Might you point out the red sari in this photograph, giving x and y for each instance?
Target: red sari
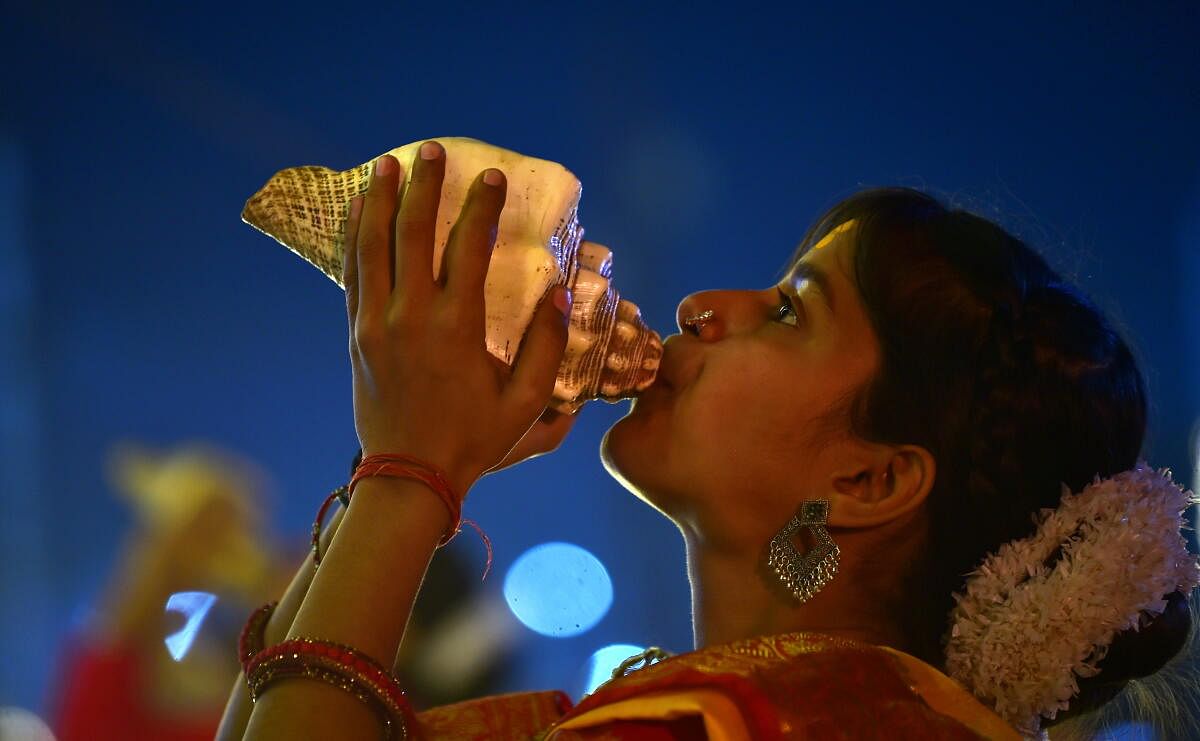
(791, 686)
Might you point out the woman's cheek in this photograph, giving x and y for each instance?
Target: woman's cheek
(717, 410)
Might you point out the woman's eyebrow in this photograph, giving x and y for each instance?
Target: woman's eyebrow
(818, 277)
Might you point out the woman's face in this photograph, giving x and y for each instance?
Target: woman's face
(731, 436)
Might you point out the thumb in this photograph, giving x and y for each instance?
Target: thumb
(541, 353)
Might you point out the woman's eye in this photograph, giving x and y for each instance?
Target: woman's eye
(785, 310)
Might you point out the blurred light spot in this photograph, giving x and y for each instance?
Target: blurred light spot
(194, 606)
(600, 666)
(558, 589)
(19, 724)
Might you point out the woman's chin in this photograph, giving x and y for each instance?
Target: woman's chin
(613, 448)
(627, 451)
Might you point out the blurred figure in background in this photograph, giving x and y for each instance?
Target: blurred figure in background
(153, 661)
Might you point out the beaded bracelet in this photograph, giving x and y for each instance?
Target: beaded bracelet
(339, 665)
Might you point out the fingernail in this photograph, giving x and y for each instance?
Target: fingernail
(493, 177)
(562, 300)
(385, 166)
(430, 150)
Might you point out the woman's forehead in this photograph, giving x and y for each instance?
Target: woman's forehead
(821, 254)
(833, 235)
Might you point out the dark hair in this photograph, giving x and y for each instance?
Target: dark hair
(1011, 379)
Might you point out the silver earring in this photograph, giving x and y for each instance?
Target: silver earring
(805, 575)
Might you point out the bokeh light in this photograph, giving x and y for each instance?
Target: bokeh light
(600, 665)
(20, 724)
(558, 589)
(194, 607)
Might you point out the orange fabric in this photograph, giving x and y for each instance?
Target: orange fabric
(686, 728)
(948, 697)
(792, 686)
(521, 716)
(691, 715)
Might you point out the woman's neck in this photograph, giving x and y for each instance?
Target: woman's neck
(734, 597)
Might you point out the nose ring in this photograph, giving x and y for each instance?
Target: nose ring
(696, 322)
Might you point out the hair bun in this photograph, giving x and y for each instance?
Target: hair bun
(1134, 654)
(1139, 653)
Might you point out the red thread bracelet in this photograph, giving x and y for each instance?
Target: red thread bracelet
(403, 466)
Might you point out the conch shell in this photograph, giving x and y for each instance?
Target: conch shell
(611, 354)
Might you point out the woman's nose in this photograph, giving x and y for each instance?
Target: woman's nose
(710, 315)
(705, 314)
(695, 311)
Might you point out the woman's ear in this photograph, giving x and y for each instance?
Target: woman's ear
(885, 484)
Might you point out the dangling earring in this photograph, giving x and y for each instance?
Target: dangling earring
(805, 575)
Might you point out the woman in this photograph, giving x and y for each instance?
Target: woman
(838, 452)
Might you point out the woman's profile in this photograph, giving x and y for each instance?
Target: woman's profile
(907, 475)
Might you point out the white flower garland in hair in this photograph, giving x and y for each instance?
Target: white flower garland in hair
(1024, 633)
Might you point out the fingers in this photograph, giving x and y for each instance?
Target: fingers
(469, 249)
(416, 222)
(374, 245)
(350, 258)
(554, 429)
(540, 354)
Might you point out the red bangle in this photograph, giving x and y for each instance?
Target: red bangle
(251, 640)
(337, 664)
(342, 494)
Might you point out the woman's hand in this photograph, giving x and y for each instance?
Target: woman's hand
(424, 382)
(543, 437)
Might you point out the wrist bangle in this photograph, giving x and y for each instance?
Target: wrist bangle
(342, 494)
(339, 665)
(252, 637)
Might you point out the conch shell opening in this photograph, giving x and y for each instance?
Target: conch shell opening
(611, 354)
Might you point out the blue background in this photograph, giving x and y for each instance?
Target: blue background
(137, 305)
